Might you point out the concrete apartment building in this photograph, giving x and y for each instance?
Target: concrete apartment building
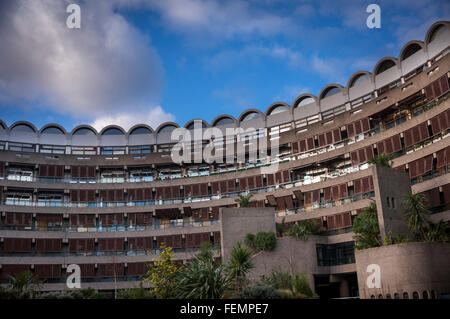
(108, 200)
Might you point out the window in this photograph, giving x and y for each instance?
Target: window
(50, 200)
(142, 175)
(52, 130)
(335, 254)
(359, 79)
(52, 149)
(415, 295)
(384, 66)
(410, 50)
(113, 176)
(21, 147)
(83, 150)
(21, 199)
(165, 148)
(224, 121)
(24, 174)
(330, 91)
(437, 32)
(251, 116)
(113, 131)
(140, 130)
(305, 101)
(23, 128)
(393, 202)
(278, 109)
(84, 131)
(112, 150)
(405, 295)
(167, 129)
(141, 149)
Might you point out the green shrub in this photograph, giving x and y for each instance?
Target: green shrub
(265, 241)
(250, 240)
(260, 291)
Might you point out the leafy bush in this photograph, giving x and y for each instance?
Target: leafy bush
(260, 291)
(135, 293)
(290, 286)
(265, 241)
(250, 240)
(366, 228)
(304, 229)
(261, 241)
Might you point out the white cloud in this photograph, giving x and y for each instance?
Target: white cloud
(218, 18)
(251, 54)
(153, 117)
(106, 67)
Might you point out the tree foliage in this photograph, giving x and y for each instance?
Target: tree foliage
(239, 265)
(244, 200)
(162, 274)
(290, 285)
(202, 277)
(366, 228)
(381, 160)
(23, 286)
(304, 229)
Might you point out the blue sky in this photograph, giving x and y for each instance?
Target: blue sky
(136, 61)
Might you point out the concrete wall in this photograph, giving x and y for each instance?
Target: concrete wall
(406, 268)
(238, 222)
(390, 186)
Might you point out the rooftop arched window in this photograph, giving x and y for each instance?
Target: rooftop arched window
(140, 130)
(112, 131)
(23, 128)
(278, 109)
(52, 130)
(251, 116)
(167, 129)
(359, 79)
(192, 126)
(331, 91)
(305, 101)
(384, 66)
(84, 131)
(410, 50)
(437, 32)
(224, 121)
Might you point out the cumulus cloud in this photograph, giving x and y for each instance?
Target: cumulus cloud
(106, 67)
(153, 117)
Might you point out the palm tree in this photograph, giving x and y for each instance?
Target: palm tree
(23, 286)
(438, 232)
(202, 278)
(366, 228)
(381, 160)
(303, 229)
(417, 214)
(243, 200)
(239, 264)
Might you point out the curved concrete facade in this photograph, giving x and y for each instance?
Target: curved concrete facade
(124, 186)
(406, 270)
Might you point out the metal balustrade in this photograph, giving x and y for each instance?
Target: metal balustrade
(114, 228)
(282, 158)
(103, 253)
